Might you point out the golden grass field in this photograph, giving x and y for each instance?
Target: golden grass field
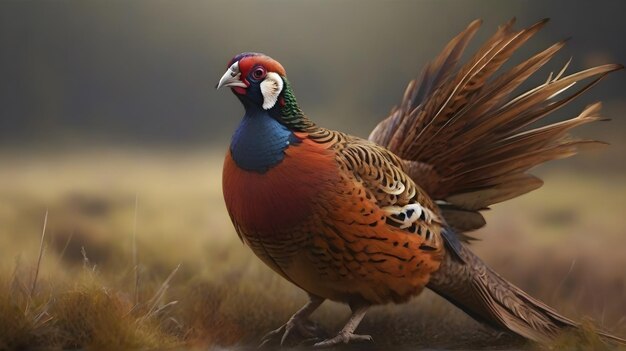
(564, 244)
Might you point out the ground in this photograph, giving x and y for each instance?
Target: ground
(197, 286)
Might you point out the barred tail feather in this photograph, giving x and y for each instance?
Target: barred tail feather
(483, 294)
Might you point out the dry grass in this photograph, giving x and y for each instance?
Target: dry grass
(222, 295)
(76, 312)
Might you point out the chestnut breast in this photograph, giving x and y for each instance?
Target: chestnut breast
(284, 195)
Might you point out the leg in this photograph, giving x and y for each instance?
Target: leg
(346, 334)
(298, 322)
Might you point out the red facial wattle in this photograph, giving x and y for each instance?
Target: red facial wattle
(240, 90)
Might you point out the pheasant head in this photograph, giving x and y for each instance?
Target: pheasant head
(255, 78)
(260, 83)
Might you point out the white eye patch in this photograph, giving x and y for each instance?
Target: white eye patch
(271, 88)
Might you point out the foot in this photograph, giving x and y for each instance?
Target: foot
(343, 338)
(301, 328)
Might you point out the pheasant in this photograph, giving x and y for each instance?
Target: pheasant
(370, 222)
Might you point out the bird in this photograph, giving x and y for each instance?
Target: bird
(368, 222)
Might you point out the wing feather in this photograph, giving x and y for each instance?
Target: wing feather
(381, 174)
(466, 140)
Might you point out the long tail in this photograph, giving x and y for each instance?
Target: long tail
(468, 136)
(487, 297)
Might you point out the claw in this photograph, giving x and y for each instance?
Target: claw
(288, 328)
(299, 322)
(311, 341)
(302, 328)
(343, 338)
(271, 335)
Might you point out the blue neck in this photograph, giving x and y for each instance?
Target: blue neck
(260, 141)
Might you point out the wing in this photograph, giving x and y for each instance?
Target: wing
(464, 137)
(375, 233)
(375, 177)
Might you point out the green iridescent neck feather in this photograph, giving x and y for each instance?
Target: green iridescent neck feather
(291, 114)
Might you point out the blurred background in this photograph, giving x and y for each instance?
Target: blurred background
(143, 72)
(110, 121)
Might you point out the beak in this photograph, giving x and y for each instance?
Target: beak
(231, 78)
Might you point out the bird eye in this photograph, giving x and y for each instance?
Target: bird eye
(259, 73)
